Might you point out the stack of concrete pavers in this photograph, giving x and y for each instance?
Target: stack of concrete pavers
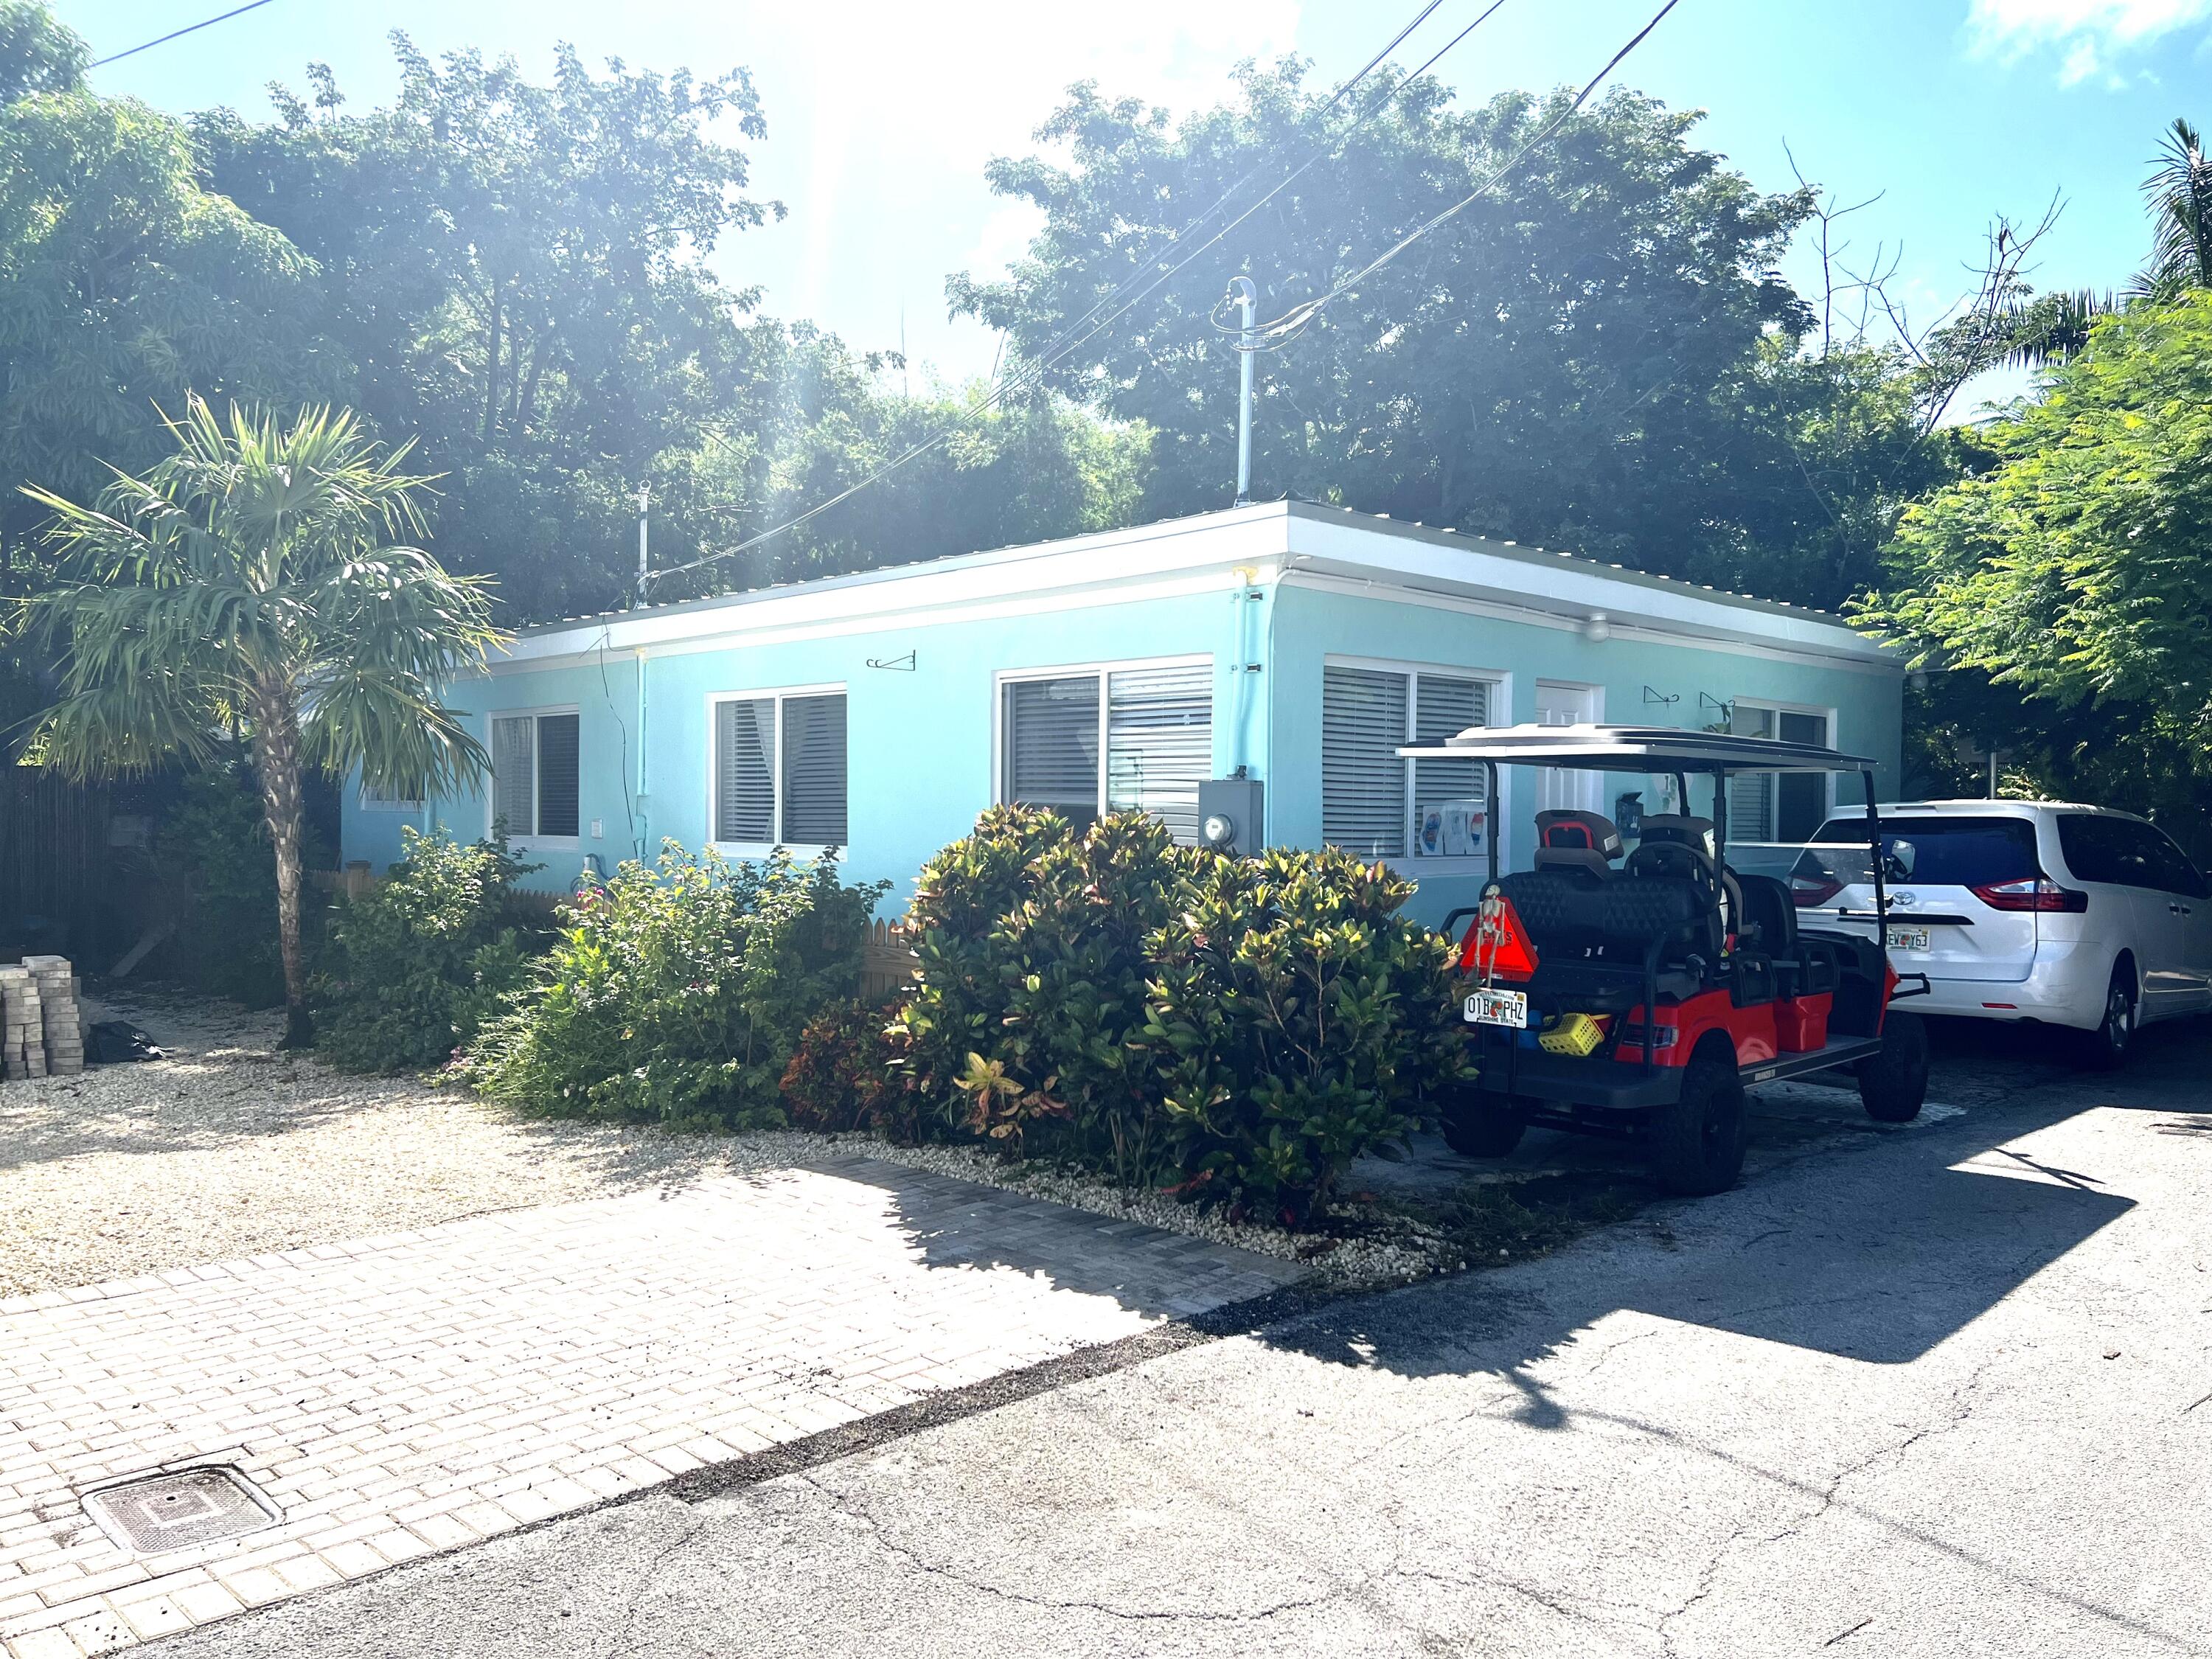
(22, 1024)
(62, 1034)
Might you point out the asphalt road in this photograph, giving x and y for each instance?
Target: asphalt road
(1931, 1393)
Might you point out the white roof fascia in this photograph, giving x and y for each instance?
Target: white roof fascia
(1635, 604)
(1329, 547)
(1082, 569)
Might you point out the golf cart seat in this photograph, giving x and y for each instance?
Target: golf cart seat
(1802, 967)
(1591, 931)
(1567, 839)
(1675, 844)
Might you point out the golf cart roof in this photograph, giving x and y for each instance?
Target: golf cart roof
(1646, 749)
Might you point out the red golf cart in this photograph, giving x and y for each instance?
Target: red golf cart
(1639, 997)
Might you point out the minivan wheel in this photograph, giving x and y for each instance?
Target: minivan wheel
(1697, 1139)
(2107, 1047)
(1894, 1084)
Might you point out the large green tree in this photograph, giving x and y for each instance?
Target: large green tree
(1586, 357)
(2070, 577)
(259, 578)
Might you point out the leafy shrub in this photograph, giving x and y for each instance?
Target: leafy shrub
(217, 871)
(1294, 1015)
(678, 992)
(415, 965)
(1238, 1028)
(840, 1077)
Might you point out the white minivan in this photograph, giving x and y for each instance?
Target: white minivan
(2077, 916)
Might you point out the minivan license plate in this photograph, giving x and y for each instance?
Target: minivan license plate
(1908, 939)
(1498, 1008)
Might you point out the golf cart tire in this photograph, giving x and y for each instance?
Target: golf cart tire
(1477, 1125)
(1894, 1084)
(1698, 1138)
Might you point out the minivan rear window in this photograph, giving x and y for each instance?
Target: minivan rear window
(1951, 852)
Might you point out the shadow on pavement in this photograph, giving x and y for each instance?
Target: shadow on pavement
(1876, 1257)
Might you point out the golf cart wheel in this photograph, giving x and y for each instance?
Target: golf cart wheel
(1893, 1083)
(1697, 1139)
(1480, 1125)
(2107, 1046)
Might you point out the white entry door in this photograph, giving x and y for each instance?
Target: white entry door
(1561, 704)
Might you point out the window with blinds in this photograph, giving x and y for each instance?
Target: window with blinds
(1052, 745)
(1378, 804)
(1159, 743)
(375, 798)
(780, 770)
(535, 775)
(1129, 739)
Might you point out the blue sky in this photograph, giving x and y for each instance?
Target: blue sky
(881, 115)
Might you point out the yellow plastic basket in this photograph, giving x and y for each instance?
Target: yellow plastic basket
(1574, 1033)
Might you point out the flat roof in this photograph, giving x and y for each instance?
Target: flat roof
(1296, 542)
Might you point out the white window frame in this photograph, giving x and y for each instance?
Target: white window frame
(1499, 700)
(776, 694)
(1099, 670)
(536, 843)
(1778, 709)
(370, 802)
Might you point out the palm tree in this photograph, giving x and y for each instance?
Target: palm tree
(2179, 192)
(258, 580)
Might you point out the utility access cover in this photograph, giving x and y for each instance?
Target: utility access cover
(179, 1511)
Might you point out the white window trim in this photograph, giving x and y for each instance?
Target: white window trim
(1006, 676)
(1500, 700)
(368, 805)
(538, 843)
(1779, 708)
(776, 694)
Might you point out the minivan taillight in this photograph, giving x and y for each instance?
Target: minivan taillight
(2032, 893)
(1807, 891)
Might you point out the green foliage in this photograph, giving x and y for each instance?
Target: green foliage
(1572, 361)
(252, 579)
(2073, 568)
(216, 873)
(840, 1077)
(1294, 1016)
(678, 992)
(415, 965)
(1239, 1028)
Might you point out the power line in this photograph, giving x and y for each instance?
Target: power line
(1068, 340)
(1296, 319)
(177, 34)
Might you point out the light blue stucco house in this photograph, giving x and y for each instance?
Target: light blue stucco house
(1294, 644)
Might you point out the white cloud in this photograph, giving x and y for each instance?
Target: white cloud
(2088, 35)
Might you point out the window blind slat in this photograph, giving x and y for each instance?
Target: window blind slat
(1051, 745)
(1363, 787)
(1444, 706)
(814, 770)
(558, 778)
(1159, 743)
(744, 752)
(514, 774)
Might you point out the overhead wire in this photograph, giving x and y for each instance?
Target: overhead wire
(1294, 321)
(1068, 340)
(178, 35)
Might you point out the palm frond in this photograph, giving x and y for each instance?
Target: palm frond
(2178, 193)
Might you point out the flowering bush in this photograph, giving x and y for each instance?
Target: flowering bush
(680, 991)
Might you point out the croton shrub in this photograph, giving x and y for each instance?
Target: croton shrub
(1240, 1029)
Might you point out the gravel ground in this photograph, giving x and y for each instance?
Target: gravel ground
(227, 1148)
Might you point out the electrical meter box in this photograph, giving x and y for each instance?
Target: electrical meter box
(1230, 815)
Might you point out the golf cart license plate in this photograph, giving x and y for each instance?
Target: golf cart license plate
(1908, 939)
(1498, 1008)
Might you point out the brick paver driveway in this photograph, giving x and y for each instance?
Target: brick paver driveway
(403, 1395)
